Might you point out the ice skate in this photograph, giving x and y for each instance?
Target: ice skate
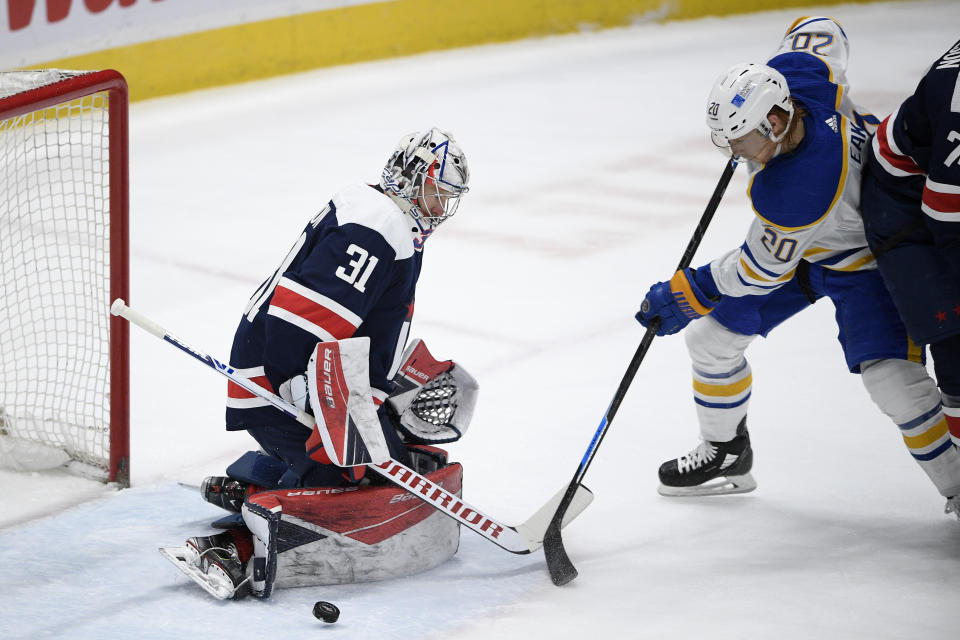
(212, 562)
(713, 468)
(225, 492)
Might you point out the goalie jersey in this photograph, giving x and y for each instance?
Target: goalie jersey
(806, 201)
(352, 272)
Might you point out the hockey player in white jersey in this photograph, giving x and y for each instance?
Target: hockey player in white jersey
(327, 330)
(792, 122)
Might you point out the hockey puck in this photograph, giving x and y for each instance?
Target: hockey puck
(326, 611)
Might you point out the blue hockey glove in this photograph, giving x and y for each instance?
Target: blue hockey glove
(687, 296)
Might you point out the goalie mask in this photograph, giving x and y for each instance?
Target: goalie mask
(740, 101)
(433, 400)
(427, 174)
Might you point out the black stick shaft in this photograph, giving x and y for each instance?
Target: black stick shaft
(561, 569)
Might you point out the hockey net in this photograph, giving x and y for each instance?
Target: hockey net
(64, 383)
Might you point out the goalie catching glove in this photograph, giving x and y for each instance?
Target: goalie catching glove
(433, 400)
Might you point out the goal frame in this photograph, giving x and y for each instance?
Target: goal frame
(64, 91)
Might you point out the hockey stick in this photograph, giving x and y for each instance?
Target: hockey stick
(561, 569)
(521, 539)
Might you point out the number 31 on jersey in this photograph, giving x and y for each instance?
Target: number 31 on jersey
(358, 270)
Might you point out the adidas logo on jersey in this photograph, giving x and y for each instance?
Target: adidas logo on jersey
(832, 123)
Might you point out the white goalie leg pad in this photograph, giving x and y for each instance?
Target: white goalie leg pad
(342, 535)
(722, 378)
(906, 393)
(434, 399)
(339, 386)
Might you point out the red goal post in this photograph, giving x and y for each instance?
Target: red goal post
(64, 253)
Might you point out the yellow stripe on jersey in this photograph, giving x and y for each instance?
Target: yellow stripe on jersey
(842, 184)
(856, 265)
(723, 390)
(764, 278)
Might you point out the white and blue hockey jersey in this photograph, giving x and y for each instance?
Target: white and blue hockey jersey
(806, 201)
(352, 272)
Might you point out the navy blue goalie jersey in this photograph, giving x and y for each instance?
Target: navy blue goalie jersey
(352, 272)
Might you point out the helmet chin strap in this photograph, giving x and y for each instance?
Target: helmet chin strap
(778, 139)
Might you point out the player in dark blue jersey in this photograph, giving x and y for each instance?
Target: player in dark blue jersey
(326, 332)
(351, 273)
(911, 212)
(792, 123)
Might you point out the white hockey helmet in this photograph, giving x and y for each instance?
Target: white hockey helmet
(427, 171)
(740, 100)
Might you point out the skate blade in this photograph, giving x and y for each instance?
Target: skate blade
(178, 557)
(716, 487)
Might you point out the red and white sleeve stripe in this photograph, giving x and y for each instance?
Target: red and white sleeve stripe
(313, 312)
(941, 201)
(888, 154)
(240, 398)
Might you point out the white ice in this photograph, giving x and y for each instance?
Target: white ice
(590, 167)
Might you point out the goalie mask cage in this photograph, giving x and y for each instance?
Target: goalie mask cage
(64, 372)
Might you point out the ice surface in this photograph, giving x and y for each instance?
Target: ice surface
(590, 167)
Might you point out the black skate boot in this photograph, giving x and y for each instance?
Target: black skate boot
(218, 560)
(225, 492)
(713, 468)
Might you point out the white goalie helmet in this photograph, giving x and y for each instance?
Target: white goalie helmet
(428, 173)
(740, 100)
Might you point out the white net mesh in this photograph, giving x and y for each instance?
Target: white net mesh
(54, 274)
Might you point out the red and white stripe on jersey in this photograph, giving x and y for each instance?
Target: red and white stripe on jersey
(313, 312)
(240, 398)
(888, 154)
(941, 201)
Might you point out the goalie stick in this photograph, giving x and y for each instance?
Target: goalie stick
(523, 538)
(561, 568)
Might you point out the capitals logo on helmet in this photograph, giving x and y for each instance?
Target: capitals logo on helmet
(740, 100)
(426, 175)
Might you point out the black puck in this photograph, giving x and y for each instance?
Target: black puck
(326, 611)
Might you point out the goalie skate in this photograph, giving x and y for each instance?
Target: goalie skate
(713, 468)
(216, 569)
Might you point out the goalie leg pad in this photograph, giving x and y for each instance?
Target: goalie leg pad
(340, 535)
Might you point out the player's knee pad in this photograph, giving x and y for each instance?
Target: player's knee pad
(713, 348)
(900, 388)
